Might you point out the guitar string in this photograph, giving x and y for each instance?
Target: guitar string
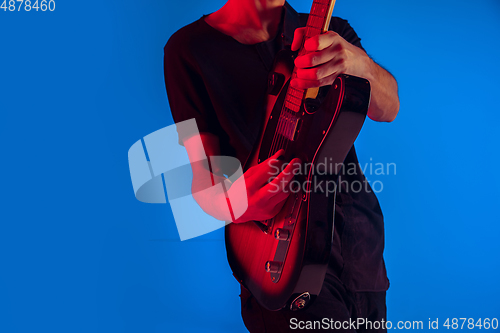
(279, 140)
(300, 91)
(276, 133)
(285, 141)
(275, 142)
(283, 134)
(272, 150)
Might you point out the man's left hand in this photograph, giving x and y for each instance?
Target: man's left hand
(328, 56)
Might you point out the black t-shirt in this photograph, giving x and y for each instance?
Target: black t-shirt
(222, 83)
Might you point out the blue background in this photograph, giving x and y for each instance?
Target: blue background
(80, 85)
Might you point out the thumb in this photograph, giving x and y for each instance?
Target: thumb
(298, 37)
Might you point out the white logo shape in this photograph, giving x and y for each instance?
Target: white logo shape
(159, 163)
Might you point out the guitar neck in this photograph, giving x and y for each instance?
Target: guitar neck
(319, 18)
(318, 23)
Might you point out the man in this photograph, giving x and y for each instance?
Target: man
(216, 71)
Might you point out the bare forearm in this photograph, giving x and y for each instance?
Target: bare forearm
(384, 103)
(212, 199)
(206, 187)
(330, 55)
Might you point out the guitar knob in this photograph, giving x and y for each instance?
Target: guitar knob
(281, 234)
(273, 267)
(300, 302)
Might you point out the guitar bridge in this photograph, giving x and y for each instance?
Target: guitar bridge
(284, 234)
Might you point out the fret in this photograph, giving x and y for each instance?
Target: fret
(294, 102)
(318, 21)
(296, 92)
(316, 15)
(292, 107)
(318, 9)
(320, 15)
(294, 99)
(315, 22)
(312, 31)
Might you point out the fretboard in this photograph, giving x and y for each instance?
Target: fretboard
(318, 22)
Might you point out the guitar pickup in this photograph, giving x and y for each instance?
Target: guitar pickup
(289, 127)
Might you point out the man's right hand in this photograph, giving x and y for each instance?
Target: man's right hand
(265, 197)
(267, 190)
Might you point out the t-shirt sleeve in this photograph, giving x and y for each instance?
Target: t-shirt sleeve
(186, 91)
(344, 29)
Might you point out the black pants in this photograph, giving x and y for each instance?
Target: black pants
(334, 310)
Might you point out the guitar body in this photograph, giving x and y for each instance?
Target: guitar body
(283, 261)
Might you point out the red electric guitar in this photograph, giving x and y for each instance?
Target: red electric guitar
(283, 261)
